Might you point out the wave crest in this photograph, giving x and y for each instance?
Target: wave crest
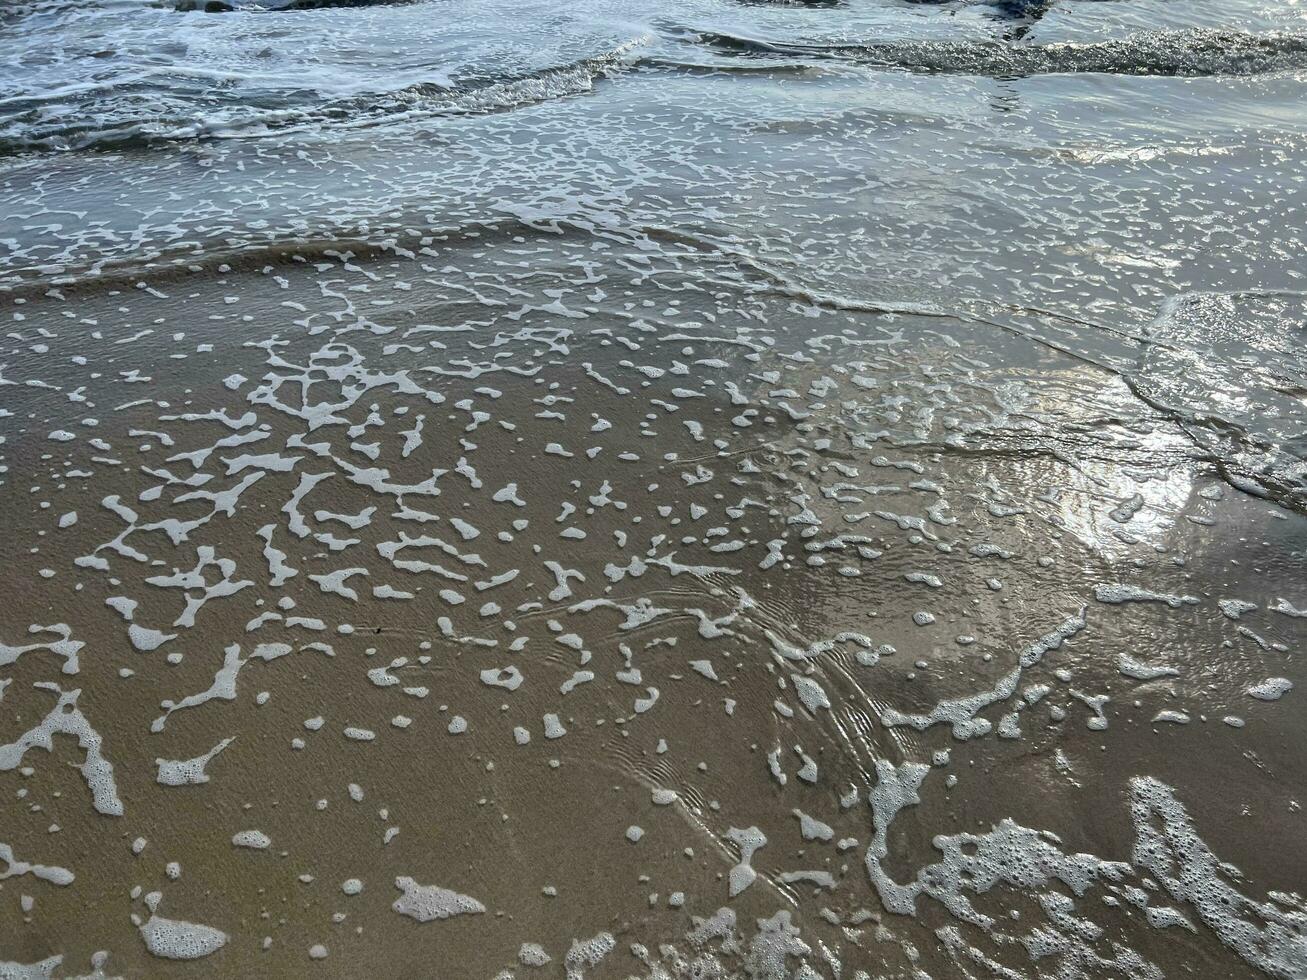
(1189, 53)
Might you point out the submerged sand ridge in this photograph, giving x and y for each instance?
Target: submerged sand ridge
(605, 617)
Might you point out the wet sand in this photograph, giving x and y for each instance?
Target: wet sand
(609, 591)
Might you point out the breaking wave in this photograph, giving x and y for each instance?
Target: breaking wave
(136, 120)
(1190, 53)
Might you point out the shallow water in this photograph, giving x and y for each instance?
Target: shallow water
(695, 489)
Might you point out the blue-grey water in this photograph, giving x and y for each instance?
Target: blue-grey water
(689, 488)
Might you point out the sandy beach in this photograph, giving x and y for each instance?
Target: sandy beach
(709, 559)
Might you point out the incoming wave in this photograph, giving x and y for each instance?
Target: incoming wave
(1196, 52)
(144, 118)
(274, 6)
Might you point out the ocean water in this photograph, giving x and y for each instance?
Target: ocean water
(690, 488)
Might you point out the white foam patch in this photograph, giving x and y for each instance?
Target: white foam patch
(255, 840)
(749, 840)
(67, 719)
(64, 647)
(1270, 936)
(961, 713)
(15, 868)
(40, 970)
(1118, 594)
(175, 939)
(1271, 689)
(188, 772)
(429, 902)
